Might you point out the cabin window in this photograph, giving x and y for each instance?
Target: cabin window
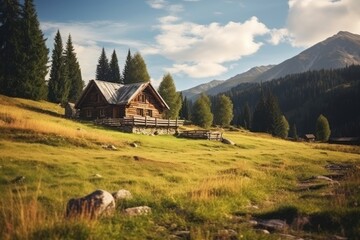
(149, 113)
(140, 112)
(141, 98)
(88, 113)
(102, 112)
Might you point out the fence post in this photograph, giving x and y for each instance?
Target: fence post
(145, 121)
(155, 122)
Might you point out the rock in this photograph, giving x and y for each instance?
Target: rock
(182, 234)
(122, 194)
(111, 147)
(133, 145)
(97, 203)
(263, 231)
(18, 179)
(272, 224)
(136, 211)
(228, 141)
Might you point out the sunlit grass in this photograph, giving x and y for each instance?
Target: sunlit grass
(192, 185)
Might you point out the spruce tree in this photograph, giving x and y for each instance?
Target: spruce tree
(168, 92)
(293, 132)
(58, 82)
(11, 47)
(283, 128)
(73, 72)
(185, 112)
(246, 117)
(201, 112)
(127, 68)
(103, 69)
(322, 129)
(32, 84)
(273, 116)
(137, 70)
(223, 113)
(114, 71)
(259, 117)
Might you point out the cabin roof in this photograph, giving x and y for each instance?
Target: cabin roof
(119, 94)
(309, 136)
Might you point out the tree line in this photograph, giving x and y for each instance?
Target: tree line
(304, 97)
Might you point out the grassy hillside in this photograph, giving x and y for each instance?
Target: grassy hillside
(197, 189)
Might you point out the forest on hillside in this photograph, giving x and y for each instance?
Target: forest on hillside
(303, 97)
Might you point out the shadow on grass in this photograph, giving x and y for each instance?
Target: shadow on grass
(40, 110)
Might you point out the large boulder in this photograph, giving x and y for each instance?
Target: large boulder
(91, 206)
(122, 194)
(228, 141)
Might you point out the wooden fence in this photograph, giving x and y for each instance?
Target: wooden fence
(140, 121)
(202, 134)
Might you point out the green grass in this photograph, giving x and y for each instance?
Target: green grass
(194, 185)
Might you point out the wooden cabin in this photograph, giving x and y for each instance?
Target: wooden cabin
(102, 99)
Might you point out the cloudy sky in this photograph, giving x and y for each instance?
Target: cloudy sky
(195, 40)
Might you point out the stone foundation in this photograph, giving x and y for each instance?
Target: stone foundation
(148, 130)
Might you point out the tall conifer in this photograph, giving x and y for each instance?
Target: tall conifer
(32, 84)
(74, 73)
(127, 68)
(102, 69)
(11, 50)
(223, 113)
(114, 74)
(201, 112)
(58, 82)
(168, 92)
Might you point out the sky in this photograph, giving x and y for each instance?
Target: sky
(196, 41)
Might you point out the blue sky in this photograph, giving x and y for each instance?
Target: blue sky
(195, 40)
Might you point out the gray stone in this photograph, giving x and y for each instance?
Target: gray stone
(133, 145)
(228, 141)
(137, 211)
(272, 224)
(122, 194)
(97, 203)
(182, 234)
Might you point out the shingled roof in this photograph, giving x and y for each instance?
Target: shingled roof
(119, 94)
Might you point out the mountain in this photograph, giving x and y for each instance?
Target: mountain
(190, 93)
(338, 51)
(248, 76)
(217, 86)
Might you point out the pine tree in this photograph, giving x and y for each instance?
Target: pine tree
(103, 69)
(11, 47)
(259, 117)
(137, 71)
(273, 113)
(185, 112)
(283, 128)
(114, 74)
(58, 82)
(34, 69)
(293, 132)
(127, 68)
(168, 92)
(74, 72)
(223, 113)
(322, 129)
(246, 117)
(201, 112)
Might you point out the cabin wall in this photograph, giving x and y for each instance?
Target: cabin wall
(144, 105)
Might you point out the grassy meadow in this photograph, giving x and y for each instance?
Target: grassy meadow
(197, 189)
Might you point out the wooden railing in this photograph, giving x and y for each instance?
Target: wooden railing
(140, 121)
(202, 134)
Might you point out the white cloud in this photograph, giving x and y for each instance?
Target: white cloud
(157, 4)
(201, 50)
(278, 36)
(312, 21)
(162, 4)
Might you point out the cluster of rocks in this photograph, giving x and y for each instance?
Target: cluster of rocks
(102, 203)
